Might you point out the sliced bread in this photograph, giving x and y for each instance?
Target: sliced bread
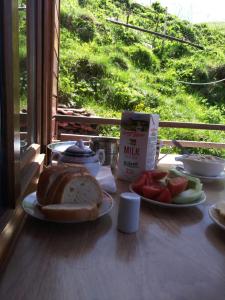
(69, 194)
(70, 212)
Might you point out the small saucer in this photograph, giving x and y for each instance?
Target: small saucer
(221, 176)
(216, 217)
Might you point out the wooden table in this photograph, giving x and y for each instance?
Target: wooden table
(178, 254)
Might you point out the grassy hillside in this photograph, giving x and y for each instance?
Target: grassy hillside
(219, 26)
(108, 68)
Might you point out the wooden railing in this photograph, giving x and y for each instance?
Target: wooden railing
(162, 124)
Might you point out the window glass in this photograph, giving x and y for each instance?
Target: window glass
(23, 75)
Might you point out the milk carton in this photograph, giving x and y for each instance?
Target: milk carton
(138, 140)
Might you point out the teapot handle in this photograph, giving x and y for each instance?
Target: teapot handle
(56, 155)
(101, 156)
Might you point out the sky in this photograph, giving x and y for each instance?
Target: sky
(195, 11)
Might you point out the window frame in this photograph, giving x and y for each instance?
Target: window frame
(22, 172)
(19, 172)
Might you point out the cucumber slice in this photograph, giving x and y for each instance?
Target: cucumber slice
(187, 196)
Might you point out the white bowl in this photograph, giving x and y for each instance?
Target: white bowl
(203, 165)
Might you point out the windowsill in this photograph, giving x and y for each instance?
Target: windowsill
(12, 220)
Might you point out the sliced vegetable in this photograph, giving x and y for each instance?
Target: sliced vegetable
(194, 183)
(165, 196)
(151, 191)
(174, 187)
(149, 179)
(177, 185)
(137, 185)
(187, 196)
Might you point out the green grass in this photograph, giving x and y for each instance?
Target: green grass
(219, 26)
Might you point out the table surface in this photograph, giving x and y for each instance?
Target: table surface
(177, 254)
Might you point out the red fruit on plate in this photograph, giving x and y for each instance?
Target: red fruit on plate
(149, 179)
(157, 174)
(152, 191)
(139, 183)
(177, 185)
(165, 196)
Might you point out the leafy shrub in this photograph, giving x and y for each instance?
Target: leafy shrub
(86, 70)
(127, 36)
(70, 99)
(82, 3)
(144, 58)
(119, 62)
(103, 34)
(152, 99)
(67, 21)
(85, 28)
(176, 50)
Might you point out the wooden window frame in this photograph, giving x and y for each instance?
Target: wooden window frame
(24, 171)
(21, 172)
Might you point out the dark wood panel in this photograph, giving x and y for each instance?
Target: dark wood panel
(51, 44)
(56, 42)
(55, 64)
(57, 6)
(54, 87)
(54, 104)
(57, 25)
(39, 70)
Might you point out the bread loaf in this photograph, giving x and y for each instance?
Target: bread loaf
(67, 193)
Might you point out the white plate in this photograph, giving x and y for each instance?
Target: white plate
(197, 202)
(216, 217)
(203, 178)
(31, 207)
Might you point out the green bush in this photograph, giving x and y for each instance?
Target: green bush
(82, 3)
(143, 58)
(87, 70)
(119, 62)
(67, 21)
(85, 28)
(127, 36)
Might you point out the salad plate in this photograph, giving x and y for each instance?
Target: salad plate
(216, 217)
(221, 176)
(163, 204)
(32, 208)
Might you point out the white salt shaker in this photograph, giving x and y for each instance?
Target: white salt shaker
(129, 211)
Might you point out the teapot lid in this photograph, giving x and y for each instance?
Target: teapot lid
(79, 150)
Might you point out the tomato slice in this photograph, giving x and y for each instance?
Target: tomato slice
(138, 184)
(176, 185)
(157, 174)
(149, 179)
(151, 191)
(165, 196)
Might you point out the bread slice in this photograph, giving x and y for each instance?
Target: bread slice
(70, 212)
(77, 189)
(47, 179)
